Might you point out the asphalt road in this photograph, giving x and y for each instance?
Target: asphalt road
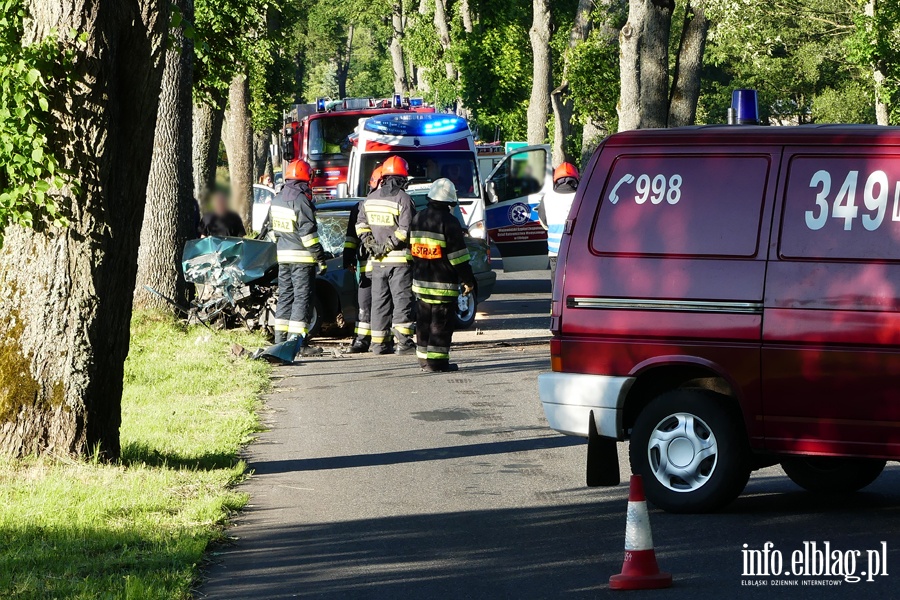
(378, 481)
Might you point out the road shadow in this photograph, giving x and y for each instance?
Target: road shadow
(408, 456)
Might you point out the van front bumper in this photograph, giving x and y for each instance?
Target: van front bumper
(569, 399)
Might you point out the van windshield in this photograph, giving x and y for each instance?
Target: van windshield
(328, 136)
(426, 167)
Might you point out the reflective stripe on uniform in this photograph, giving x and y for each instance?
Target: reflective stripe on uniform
(281, 324)
(429, 235)
(400, 234)
(295, 256)
(363, 329)
(351, 242)
(310, 240)
(405, 328)
(396, 256)
(433, 301)
(378, 337)
(459, 257)
(283, 218)
(381, 205)
(421, 352)
(437, 353)
(427, 291)
(298, 327)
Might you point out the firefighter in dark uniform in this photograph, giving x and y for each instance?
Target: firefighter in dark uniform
(356, 258)
(292, 218)
(440, 264)
(383, 230)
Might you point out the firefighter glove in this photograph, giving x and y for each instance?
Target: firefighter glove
(467, 289)
(371, 246)
(323, 266)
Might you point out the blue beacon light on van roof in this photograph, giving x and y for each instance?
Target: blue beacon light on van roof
(744, 108)
(416, 124)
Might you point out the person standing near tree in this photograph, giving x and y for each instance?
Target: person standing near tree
(553, 210)
(292, 217)
(440, 264)
(383, 230)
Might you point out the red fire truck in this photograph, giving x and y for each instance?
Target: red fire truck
(318, 133)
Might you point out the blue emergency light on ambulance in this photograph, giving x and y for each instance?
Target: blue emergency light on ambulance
(416, 124)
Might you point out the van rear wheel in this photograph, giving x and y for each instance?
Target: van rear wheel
(829, 474)
(691, 450)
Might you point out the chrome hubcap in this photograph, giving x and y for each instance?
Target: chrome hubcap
(682, 452)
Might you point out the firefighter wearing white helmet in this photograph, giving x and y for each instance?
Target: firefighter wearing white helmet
(440, 266)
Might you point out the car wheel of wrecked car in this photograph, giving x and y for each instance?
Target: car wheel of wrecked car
(466, 309)
(831, 474)
(691, 449)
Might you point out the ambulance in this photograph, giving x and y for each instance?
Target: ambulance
(433, 145)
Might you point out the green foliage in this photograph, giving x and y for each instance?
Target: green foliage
(139, 529)
(594, 80)
(30, 176)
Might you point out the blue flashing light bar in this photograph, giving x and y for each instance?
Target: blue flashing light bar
(398, 101)
(416, 102)
(416, 124)
(320, 104)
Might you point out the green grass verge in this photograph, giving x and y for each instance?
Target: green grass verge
(139, 529)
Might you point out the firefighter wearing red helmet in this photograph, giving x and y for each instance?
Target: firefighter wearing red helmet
(383, 230)
(292, 218)
(356, 258)
(554, 207)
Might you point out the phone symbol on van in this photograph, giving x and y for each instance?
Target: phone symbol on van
(613, 196)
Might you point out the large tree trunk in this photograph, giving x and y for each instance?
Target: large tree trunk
(468, 20)
(562, 103)
(238, 136)
(169, 216)
(542, 74)
(262, 158)
(65, 295)
(343, 65)
(882, 114)
(401, 85)
(208, 121)
(644, 65)
(685, 90)
(442, 26)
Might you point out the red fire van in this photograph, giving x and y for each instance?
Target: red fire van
(728, 298)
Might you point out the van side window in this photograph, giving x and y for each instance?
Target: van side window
(842, 208)
(686, 205)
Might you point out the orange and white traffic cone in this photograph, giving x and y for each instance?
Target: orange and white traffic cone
(639, 570)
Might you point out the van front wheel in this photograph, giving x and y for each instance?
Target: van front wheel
(691, 450)
(829, 474)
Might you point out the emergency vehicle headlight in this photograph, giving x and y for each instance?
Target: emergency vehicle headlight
(478, 231)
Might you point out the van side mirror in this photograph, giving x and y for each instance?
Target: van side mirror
(490, 192)
(343, 190)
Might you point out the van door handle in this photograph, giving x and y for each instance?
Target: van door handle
(569, 226)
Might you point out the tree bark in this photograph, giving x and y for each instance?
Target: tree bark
(208, 121)
(562, 103)
(262, 159)
(542, 74)
(644, 65)
(401, 85)
(685, 90)
(238, 136)
(468, 20)
(65, 294)
(343, 65)
(171, 209)
(882, 114)
(442, 26)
